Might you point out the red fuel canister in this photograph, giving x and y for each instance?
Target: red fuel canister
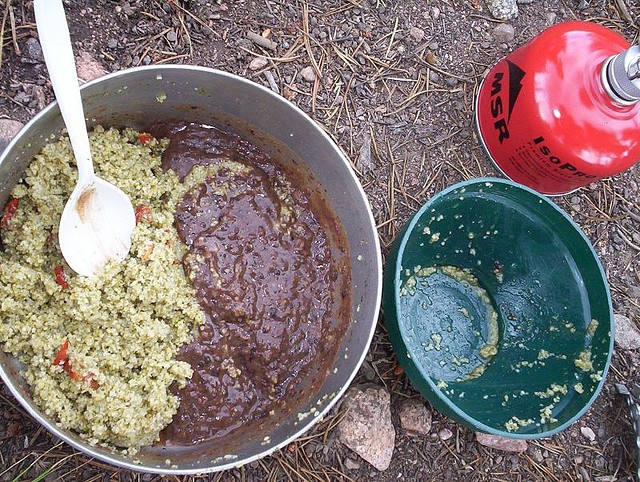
(563, 110)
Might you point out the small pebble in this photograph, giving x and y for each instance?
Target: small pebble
(414, 416)
(258, 63)
(351, 464)
(451, 82)
(416, 34)
(308, 74)
(537, 454)
(88, 67)
(504, 33)
(172, 36)
(32, 51)
(588, 433)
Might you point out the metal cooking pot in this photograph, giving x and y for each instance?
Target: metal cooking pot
(139, 96)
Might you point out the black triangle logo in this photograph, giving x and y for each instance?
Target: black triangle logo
(516, 75)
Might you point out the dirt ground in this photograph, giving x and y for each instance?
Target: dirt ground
(398, 77)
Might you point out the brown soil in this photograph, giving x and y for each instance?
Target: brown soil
(410, 94)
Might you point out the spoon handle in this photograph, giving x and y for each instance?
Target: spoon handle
(58, 54)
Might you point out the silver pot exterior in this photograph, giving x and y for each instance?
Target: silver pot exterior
(140, 96)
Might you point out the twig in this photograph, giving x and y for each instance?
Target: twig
(288, 469)
(197, 19)
(144, 53)
(343, 8)
(624, 12)
(186, 31)
(393, 36)
(391, 190)
(349, 119)
(261, 41)
(14, 34)
(466, 173)
(272, 81)
(377, 62)
(631, 214)
(145, 47)
(172, 59)
(630, 243)
(150, 15)
(541, 468)
(351, 63)
(37, 459)
(272, 59)
(307, 40)
(384, 223)
(448, 74)
(4, 20)
(430, 181)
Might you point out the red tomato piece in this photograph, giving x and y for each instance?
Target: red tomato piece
(9, 211)
(141, 211)
(144, 137)
(63, 355)
(61, 277)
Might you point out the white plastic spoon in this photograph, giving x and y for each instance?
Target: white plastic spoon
(98, 219)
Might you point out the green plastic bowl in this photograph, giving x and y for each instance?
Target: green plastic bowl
(499, 309)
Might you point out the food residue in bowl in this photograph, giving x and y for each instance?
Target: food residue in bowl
(514, 423)
(450, 317)
(547, 361)
(583, 361)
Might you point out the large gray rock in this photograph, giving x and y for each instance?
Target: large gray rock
(501, 443)
(8, 129)
(366, 427)
(503, 9)
(627, 334)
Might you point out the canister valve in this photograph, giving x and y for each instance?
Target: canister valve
(634, 70)
(621, 76)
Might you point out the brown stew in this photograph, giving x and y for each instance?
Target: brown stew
(269, 263)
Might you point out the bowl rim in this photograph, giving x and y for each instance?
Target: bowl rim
(442, 399)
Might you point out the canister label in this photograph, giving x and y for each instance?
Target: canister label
(502, 103)
(534, 160)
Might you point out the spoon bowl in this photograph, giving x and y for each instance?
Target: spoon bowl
(98, 219)
(95, 226)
